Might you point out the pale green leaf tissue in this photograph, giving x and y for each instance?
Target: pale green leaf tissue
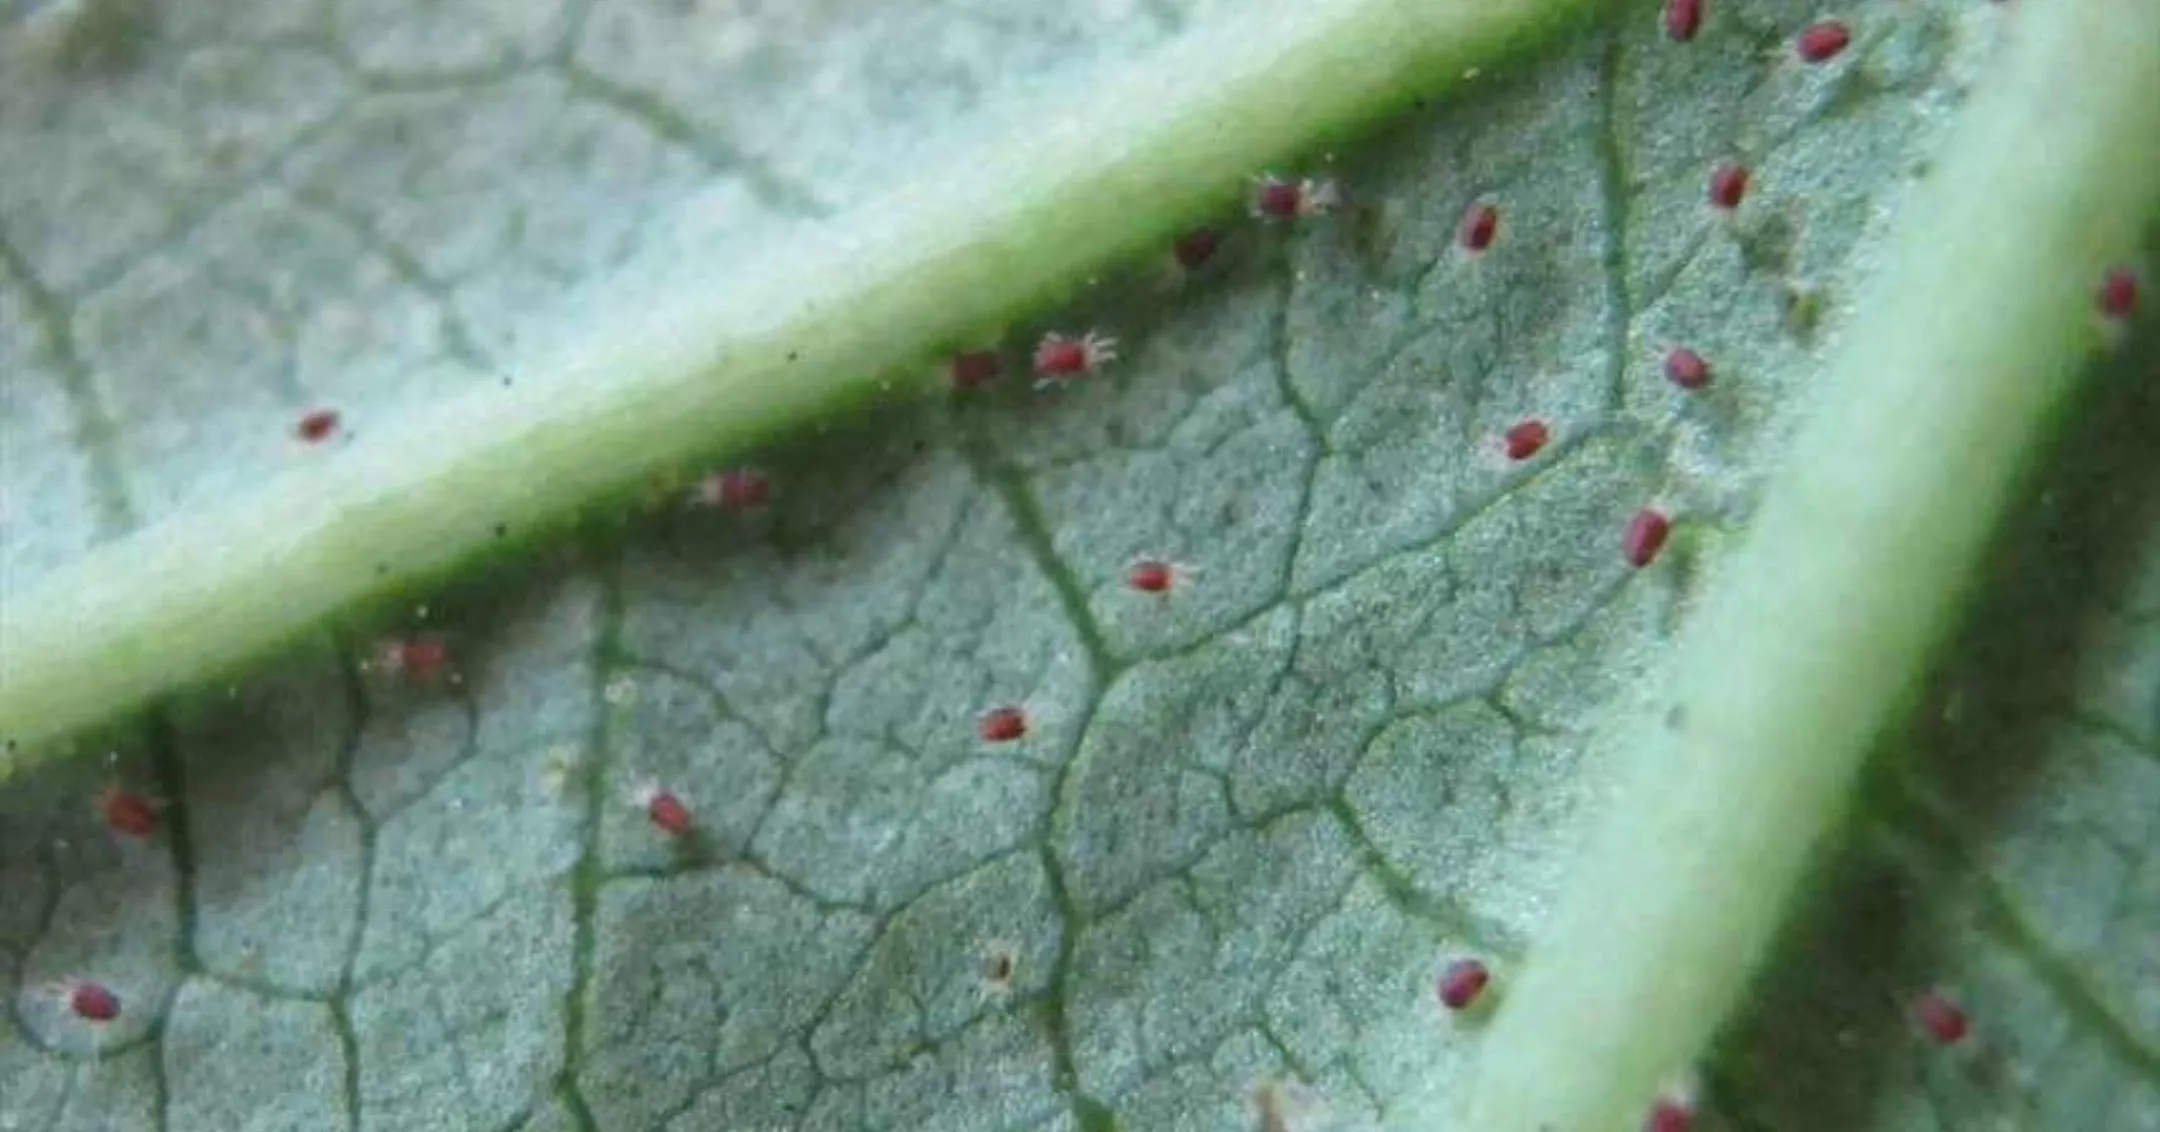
(1251, 819)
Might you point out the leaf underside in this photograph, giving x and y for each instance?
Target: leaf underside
(1250, 819)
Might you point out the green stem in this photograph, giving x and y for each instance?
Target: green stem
(1812, 638)
(1090, 177)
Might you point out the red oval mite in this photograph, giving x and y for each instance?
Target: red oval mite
(2118, 294)
(975, 369)
(129, 814)
(1683, 18)
(422, 658)
(1462, 983)
(1151, 575)
(1002, 724)
(1480, 223)
(1728, 185)
(1526, 439)
(1274, 198)
(317, 425)
(735, 490)
(667, 812)
(1669, 1115)
(93, 1002)
(1195, 248)
(1941, 1018)
(1061, 358)
(1687, 369)
(1822, 41)
(424, 655)
(1645, 537)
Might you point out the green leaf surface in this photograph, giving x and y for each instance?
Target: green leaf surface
(1250, 819)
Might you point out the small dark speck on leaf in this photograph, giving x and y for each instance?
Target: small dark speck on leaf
(998, 965)
(1195, 248)
(502, 530)
(793, 354)
(1803, 309)
(1676, 717)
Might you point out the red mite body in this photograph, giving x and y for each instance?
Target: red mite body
(1728, 185)
(1645, 537)
(1683, 18)
(1462, 983)
(1060, 358)
(1941, 1018)
(1002, 724)
(93, 1002)
(668, 814)
(1277, 200)
(1669, 1115)
(1064, 357)
(1151, 576)
(735, 490)
(975, 369)
(1480, 223)
(317, 425)
(1822, 42)
(422, 658)
(129, 814)
(1687, 369)
(1195, 248)
(1526, 439)
(1274, 198)
(2118, 294)
(425, 655)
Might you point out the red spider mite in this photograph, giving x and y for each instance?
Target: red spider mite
(1687, 369)
(1669, 1115)
(1682, 19)
(1525, 439)
(317, 425)
(1195, 248)
(129, 814)
(1462, 982)
(664, 808)
(734, 490)
(91, 1001)
(1941, 1018)
(1822, 41)
(1728, 185)
(1274, 198)
(1645, 537)
(2118, 294)
(975, 369)
(1153, 575)
(1480, 223)
(1002, 724)
(1061, 358)
(421, 658)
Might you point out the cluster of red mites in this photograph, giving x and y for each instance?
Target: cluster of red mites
(1061, 358)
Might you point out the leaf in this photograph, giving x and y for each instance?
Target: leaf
(1250, 818)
